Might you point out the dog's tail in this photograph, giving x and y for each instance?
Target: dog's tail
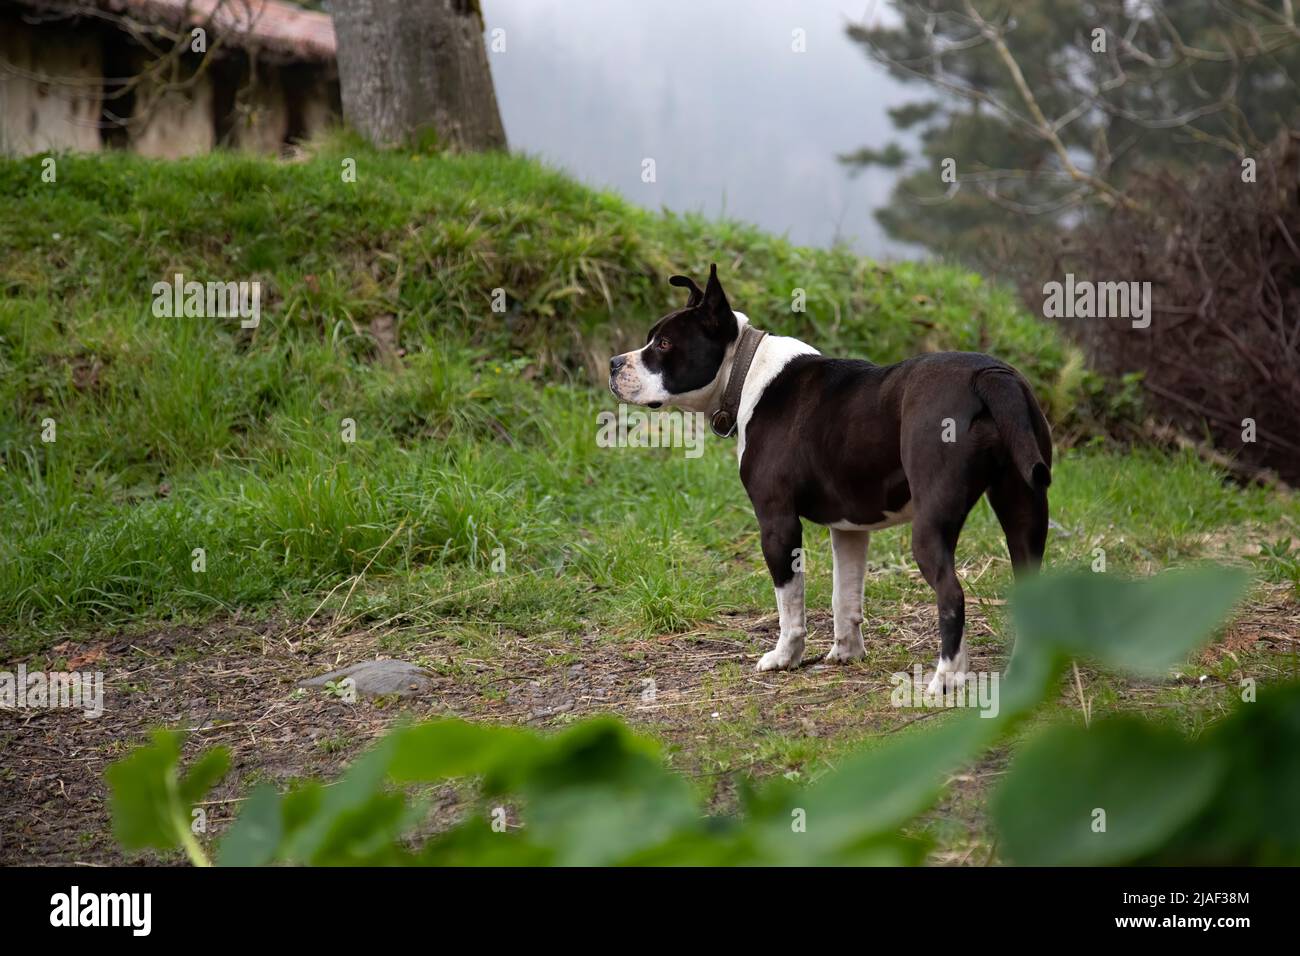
(1020, 423)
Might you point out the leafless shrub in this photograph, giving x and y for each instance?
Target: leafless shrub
(1223, 349)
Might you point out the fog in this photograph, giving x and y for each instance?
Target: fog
(736, 121)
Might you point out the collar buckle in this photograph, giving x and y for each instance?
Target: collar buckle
(724, 426)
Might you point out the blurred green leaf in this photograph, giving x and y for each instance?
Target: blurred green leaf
(1148, 781)
(255, 835)
(474, 843)
(142, 803)
(446, 749)
(1252, 818)
(205, 774)
(602, 793)
(873, 793)
(1142, 627)
(151, 807)
(333, 814)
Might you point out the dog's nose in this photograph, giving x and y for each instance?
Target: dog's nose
(616, 363)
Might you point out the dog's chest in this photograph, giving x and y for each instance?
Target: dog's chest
(773, 355)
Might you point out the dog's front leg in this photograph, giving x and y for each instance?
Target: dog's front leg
(850, 552)
(783, 552)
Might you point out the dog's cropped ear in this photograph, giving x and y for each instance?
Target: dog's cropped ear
(686, 282)
(715, 300)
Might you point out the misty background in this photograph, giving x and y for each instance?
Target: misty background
(741, 126)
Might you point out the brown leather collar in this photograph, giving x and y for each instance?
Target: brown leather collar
(724, 419)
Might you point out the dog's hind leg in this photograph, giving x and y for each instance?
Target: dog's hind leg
(1022, 512)
(934, 545)
(782, 536)
(850, 552)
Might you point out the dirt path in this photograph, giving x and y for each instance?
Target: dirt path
(234, 683)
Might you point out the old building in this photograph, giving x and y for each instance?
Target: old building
(163, 78)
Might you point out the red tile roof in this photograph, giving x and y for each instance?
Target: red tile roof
(270, 24)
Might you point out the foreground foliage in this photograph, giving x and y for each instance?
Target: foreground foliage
(1121, 791)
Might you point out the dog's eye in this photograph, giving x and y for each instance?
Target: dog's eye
(663, 345)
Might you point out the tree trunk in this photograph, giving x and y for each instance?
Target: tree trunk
(409, 66)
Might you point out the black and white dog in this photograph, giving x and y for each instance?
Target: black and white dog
(857, 447)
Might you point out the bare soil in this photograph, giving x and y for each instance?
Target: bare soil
(233, 682)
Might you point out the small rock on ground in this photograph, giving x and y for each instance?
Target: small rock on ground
(377, 678)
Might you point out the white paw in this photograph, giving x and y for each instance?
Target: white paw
(846, 653)
(780, 659)
(949, 674)
(943, 683)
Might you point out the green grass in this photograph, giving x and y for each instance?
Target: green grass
(475, 523)
(478, 443)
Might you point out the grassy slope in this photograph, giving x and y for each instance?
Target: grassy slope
(245, 430)
(176, 434)
(481, 436)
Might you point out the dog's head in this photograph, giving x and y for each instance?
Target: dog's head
(684, 352)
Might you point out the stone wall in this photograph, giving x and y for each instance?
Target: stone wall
(50, 94)
(261, 120)
(171, 123)
(51, 97)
